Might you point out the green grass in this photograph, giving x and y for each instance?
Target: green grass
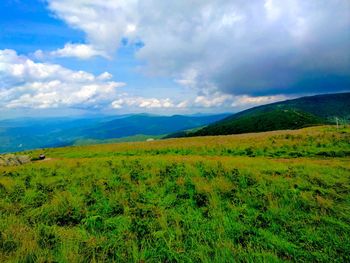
(270, 197)
(134, 138)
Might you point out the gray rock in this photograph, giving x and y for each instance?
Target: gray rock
(13, 160)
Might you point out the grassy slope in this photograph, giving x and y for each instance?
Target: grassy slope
(186, 200)
(134, 138)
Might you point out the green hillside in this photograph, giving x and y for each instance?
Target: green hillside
(279, 196)
(325, 106)
(278, 119)
(290, 114)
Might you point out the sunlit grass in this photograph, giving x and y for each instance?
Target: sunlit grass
(213, 199)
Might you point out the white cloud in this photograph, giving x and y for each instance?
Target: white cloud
(146, 103)
(105, 76)
(202, 102)
(27, 84)
(105, 22)
(273, 12)
(214, 100)
(238, 47)
(80, 51)
(247, 101)
(220, 100)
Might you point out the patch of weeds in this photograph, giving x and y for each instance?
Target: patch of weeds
(47, 237)
(7, 243)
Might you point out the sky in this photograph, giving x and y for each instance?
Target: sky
(78, 57)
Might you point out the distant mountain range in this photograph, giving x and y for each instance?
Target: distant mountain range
(289, 114)
(31, 133)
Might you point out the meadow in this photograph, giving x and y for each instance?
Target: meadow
(265, 197)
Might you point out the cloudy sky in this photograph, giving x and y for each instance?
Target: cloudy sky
(60, 57)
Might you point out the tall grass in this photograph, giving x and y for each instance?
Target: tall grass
(184, 200)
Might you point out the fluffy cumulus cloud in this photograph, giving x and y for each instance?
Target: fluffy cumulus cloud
(234, 102)
(80, 51)
(105, 22)
(27, 84)
(252, 48)
(201, 102)
(146, 103)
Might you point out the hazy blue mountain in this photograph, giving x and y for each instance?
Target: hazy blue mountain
(148, 125)
(29, 133)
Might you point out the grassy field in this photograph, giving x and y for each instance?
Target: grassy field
(135, 138)
(268, 197)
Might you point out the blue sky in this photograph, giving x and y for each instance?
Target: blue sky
(60, 57)
(27, 25)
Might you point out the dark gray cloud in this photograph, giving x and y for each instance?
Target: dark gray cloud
(256, 47)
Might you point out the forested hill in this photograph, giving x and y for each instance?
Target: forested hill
(325, 106)
(278, 119)
(289, 114)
